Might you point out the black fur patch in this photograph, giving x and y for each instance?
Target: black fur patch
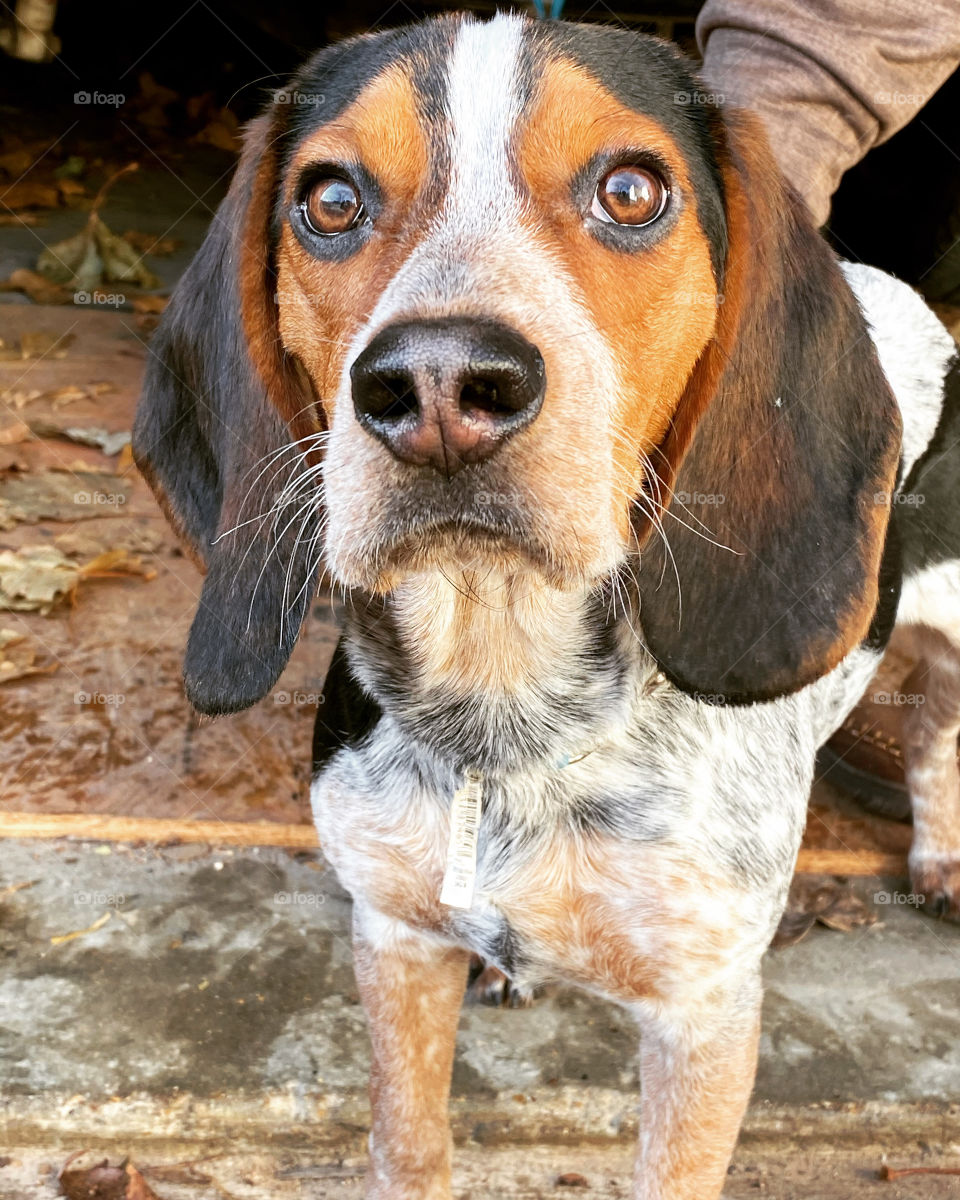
(928, 516)
(345, 715)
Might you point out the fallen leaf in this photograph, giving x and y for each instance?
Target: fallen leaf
(112, 564)
(40, 289)
(94, 435)
(59, 495)
(16, 162)
(12, 435)
(70, 187)
(41, 344)
(572, 1179)
(18, 654)
(59, 939)
(18, 399)
(827, 901)
(30, 195)
(149, 304)
(95, 254)
(103, 1182)
(153, 92)
(35, 578)
(10, 890)
(151, 243)
(222, 132)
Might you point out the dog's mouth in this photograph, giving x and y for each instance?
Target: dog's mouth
(463, 546)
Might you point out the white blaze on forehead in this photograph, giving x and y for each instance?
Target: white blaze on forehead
(483, 104)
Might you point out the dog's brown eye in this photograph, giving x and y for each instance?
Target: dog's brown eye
(332, 206)
(630, 196)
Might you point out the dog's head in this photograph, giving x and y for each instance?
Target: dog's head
(521, 297)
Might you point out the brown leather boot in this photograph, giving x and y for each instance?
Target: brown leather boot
(864, 757)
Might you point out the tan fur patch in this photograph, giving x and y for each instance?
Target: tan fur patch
(656, 308)
(322, 304)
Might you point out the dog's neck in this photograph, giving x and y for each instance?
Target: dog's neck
(496, 672)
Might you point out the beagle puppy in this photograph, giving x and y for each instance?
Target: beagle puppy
(536, 358)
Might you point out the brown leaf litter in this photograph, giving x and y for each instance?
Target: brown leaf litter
(37, 578)
(818, 899)
(104, 1182)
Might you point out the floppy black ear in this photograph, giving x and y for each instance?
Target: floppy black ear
(781, 458)
(220, 410)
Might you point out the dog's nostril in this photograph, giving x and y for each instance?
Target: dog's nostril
(391, 397)
(486, 396)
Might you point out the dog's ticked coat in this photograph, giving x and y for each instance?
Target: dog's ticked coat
(546, 368)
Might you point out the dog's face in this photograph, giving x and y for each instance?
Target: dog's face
(523, 270)
(486, 295)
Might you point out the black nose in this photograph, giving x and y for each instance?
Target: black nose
(445, 393)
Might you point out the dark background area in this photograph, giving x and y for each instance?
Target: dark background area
(899, 209)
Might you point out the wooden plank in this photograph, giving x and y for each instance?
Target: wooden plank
(851, 862)
(99, 827)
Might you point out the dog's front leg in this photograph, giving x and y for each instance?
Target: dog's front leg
(696, 1074)
(412, 988)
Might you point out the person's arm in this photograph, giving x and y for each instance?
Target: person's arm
(830, 78)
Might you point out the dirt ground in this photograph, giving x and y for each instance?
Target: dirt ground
(104, 727)
(528, 1173)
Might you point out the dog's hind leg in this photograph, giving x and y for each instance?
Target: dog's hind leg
(412, 989)
(930, 707)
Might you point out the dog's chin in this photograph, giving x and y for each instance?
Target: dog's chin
(458, 551)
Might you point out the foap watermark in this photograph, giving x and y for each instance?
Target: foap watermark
(899, 699)
(906, 499)
(311, 699)
(299, 899)
(100, 499)
(299, 99)
(913, 98)
(714, 699)
(100, 899)
(700, 299)
(697, 97)
(100, 699)
(908, 899)
(100, 299)
(700, 497)
(102, 99)
(497, 498)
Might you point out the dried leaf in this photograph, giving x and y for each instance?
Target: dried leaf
(831, 902)
(95, 435)
(572, 1179)
(18, 654)
(41, 344)
(75, 261)
(59, 495)
(40, 289)
(12, 435)
(150, 304)
(31, 195)
(35, 578)
(150, 243)
(114, 563)
(121, 263)
(104, 1182)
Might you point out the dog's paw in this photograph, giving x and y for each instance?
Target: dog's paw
(490, 986)
(936, 882)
